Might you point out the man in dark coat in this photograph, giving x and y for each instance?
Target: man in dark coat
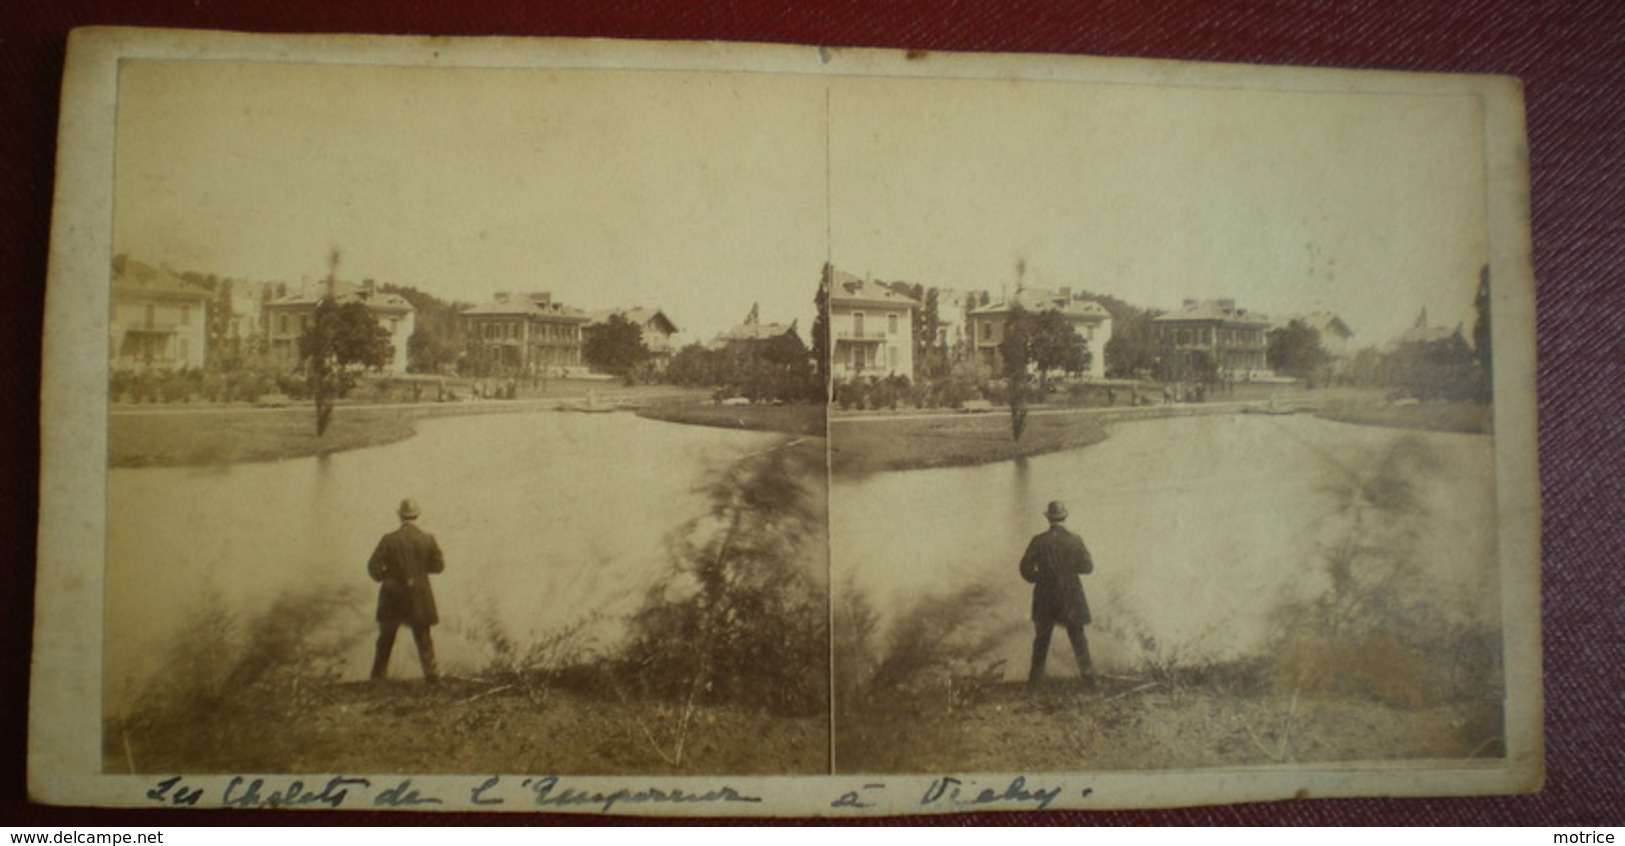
(401, 565)
(1052, 564)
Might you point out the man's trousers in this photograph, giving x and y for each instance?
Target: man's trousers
(386, 645)
(1080, 650)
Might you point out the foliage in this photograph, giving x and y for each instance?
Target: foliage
(821, 348)
(340, 341)
(1014, 353)
(937, 655)
(1482, 347)
(741, 617)
(254, 377)
(873, 392)
(615, 347)
(1375, 629)
(225, 672)
(778, 369)
(1295, 350)
(1445, 369)
(437, 338)
(1056, 345)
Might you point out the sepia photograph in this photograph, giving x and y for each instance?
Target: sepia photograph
(732, 429)
(1198, 379)
(466, 356)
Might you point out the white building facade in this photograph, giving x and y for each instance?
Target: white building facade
(871, 329)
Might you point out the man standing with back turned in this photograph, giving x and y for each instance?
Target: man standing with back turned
(1052, 564)
(401, 565)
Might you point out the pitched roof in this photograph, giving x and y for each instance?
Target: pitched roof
(1044, 299)
(1424, 334)
(637, 314)
(1223, 311)
(526, 307)
(156, 281)
(850, 290)
(1323, 322)
(756, 331)
(344, 292)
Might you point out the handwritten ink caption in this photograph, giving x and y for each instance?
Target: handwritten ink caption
(353, 792)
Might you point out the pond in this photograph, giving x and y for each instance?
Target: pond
(546, 519)
(1201, 528)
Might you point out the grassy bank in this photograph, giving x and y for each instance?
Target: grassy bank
(798, 419)
(869, 445)
(1131, 724)
(234, 436)
(1469, 418)
(478, 725)
(201, 435)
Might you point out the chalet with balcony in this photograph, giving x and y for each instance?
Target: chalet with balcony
(871, 329)
(156, 319)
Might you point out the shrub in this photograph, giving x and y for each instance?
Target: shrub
(938, 653)
(224, 672)
(741, 617)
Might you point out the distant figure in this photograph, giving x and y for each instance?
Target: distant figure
(1052, 564)
(401, 565)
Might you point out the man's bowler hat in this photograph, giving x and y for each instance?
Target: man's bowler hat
(1056, 511)
(409, 509)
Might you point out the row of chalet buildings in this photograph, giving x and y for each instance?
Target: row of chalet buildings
(159, 319)
(872, 328)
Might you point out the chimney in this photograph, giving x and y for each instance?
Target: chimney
(503, 296)
(542, 297)
(1189, 304)
(1227, 306)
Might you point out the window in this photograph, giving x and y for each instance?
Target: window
(987, 330)
(149, 316)
(857, 324)
(186, 316)
(891, 324)
(282, 324)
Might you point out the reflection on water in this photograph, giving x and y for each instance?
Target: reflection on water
(1200, 528)
(545, 519)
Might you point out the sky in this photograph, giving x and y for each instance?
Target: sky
(703, 193)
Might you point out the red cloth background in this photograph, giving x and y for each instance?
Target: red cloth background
(1570, 55)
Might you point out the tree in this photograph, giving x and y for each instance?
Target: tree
(1295, 350)
(1014, 352)
(428, 350)
(820, 329)
(1131, 353)
(341, 341)
(615, 346)
(1434, 370)
(742, 614)
(1055, 345)
(437, 340)
(223, 344)
(1481, 336)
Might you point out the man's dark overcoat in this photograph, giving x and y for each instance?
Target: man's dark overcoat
(1052, 564)
(401, 565)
